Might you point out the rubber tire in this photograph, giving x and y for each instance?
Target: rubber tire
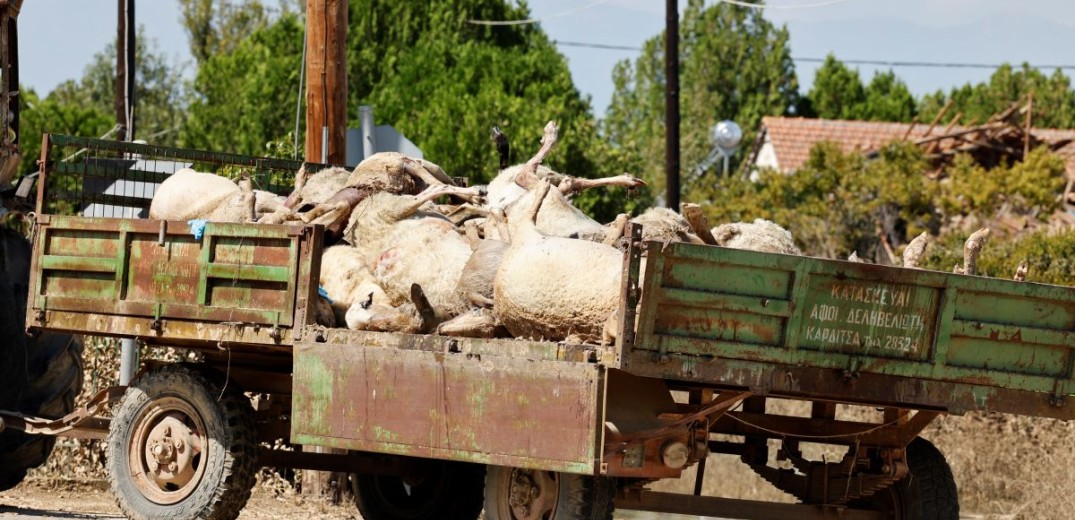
(581, 497)
(231, 465)
(450, 491)
(928, 492)
(40, 375)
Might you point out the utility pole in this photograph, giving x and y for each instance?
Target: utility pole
(125, 70)
(671, 103)
(326, 142)
(326, 81)
(125, 73)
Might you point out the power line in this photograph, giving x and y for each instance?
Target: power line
(791, 6)
(527, 21)
(879, 63)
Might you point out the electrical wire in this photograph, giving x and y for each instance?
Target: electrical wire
(527, 21)
(879, 63)
(792, 6)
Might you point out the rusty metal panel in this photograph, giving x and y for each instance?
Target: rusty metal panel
(157, 275)
(519, 412)
(705, 310)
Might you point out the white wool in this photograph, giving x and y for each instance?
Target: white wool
(502, 191)
(557, 217)
(760, 235)
(423, 248)
(187, 195)
(551, 288)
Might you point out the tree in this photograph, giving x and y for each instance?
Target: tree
(244, 99)
(53, 114)
(439, 80)
(735, 65)
(888, 99)
(1054, 100)
(837, 92)
(159, 91)
(444, 83)
(217, 27)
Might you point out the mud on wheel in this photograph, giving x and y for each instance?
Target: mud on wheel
(445, 491)
(40, 375)
(522, 494)
(182, 445)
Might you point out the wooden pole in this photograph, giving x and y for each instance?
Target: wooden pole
(125, 69)
(326, 106)
(671, 103)
(326, 79)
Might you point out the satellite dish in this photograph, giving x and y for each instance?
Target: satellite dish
(726, 136)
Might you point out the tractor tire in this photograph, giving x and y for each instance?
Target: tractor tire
(520, 494)
(182, 445)
(448, 491)
(40, 375)
(928, 492)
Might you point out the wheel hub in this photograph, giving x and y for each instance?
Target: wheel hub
(169, 452)
(532, 494)
(166, 449)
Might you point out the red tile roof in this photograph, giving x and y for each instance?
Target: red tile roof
(793, 137)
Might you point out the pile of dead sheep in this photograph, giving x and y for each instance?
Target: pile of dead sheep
(514, 258)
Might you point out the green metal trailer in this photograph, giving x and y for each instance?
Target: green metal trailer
(439, 427)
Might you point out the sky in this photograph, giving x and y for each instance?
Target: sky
(58, 38)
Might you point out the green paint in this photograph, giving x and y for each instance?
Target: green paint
(707, 303)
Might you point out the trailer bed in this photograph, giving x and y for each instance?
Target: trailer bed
(852, 332)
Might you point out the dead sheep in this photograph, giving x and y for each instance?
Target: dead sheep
(760, 235)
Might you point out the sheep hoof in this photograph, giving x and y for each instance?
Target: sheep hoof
(425, 310)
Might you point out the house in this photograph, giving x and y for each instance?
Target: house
(784, 143)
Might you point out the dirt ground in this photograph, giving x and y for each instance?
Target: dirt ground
(37, 499)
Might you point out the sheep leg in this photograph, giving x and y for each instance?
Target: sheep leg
(503, 149)
(479, 299)
(573, 185)
(327, 214)
(425, 311)
(699, 224)
(300, 182)
(432, 192)
(971, 249)
(249, 200)
(470, 325)
(540, 192)
(615, 229)
(426, 172)
(528, 177)
(465, 212)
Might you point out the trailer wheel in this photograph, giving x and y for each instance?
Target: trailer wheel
(182, 445)
(449, 490)
(928, 492)
(522, 494)
(40, 375)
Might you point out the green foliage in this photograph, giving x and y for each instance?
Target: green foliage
(444, 83)
(245, 99)
(1054, 100)
(1026, 187)
(838, 201)
(159, 91)
(1050, 256)
(215, 27)
(888, 99)
(734, 65)
(838, 93)
(55, 115)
